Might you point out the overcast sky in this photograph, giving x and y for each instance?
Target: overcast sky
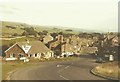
(87, 14)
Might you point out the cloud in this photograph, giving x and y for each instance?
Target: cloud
(8, 10)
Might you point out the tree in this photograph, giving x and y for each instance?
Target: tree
(4, 47)
(12, 27)
(15, 34)
(45, 32)
(30, 31)
(25, 33)
(82, 35)
(68, 35)
(69, 30)
(61, 33)
(40, 33)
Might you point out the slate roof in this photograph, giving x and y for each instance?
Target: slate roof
(36, 47)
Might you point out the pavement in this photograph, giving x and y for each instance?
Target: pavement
(78, 69)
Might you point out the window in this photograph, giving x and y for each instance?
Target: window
(12, 55)
(35, 55)
(30, 55)
(51, 54)
(21, 55)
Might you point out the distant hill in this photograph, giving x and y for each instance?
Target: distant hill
(9, 28)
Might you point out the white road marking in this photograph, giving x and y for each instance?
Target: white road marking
(9, 74)
(63, 70)
(60, 70)
(63, 77)
(67, 67)
(59, 65)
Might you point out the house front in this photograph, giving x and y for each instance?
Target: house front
(15, 52)
(32, 49)
(67, 49)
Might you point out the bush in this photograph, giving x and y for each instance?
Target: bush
(12, 27)
(29, 31)
(69, 30)
(15, 34)
(45, 32)
(25, 33)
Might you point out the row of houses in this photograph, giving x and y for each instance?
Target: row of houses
(49, 47)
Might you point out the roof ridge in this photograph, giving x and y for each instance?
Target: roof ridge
(13, 46)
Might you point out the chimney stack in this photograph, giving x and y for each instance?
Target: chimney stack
(27, 41)
(60, 38)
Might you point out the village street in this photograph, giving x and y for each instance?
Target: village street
(78, 69)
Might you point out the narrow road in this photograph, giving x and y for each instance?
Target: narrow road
(78, 69)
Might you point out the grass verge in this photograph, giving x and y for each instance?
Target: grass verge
(108, 70)
(53, 59)
(8, 67)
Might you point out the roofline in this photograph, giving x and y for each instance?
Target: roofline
(13, 46)
(10, 47)
(22, 49)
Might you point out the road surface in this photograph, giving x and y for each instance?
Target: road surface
(78, 69)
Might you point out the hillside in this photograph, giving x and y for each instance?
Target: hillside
(9, 28)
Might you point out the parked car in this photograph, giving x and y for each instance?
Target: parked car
(99, 60)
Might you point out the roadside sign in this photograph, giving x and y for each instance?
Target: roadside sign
(111, 58)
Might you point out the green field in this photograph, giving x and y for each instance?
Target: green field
(6, 32)
(8, 42)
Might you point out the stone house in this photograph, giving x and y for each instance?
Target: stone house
(67, 49)
(64, 46)
(47, 39)
(72, 45)
(89, 50)
(32, 49)
(115, 41)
